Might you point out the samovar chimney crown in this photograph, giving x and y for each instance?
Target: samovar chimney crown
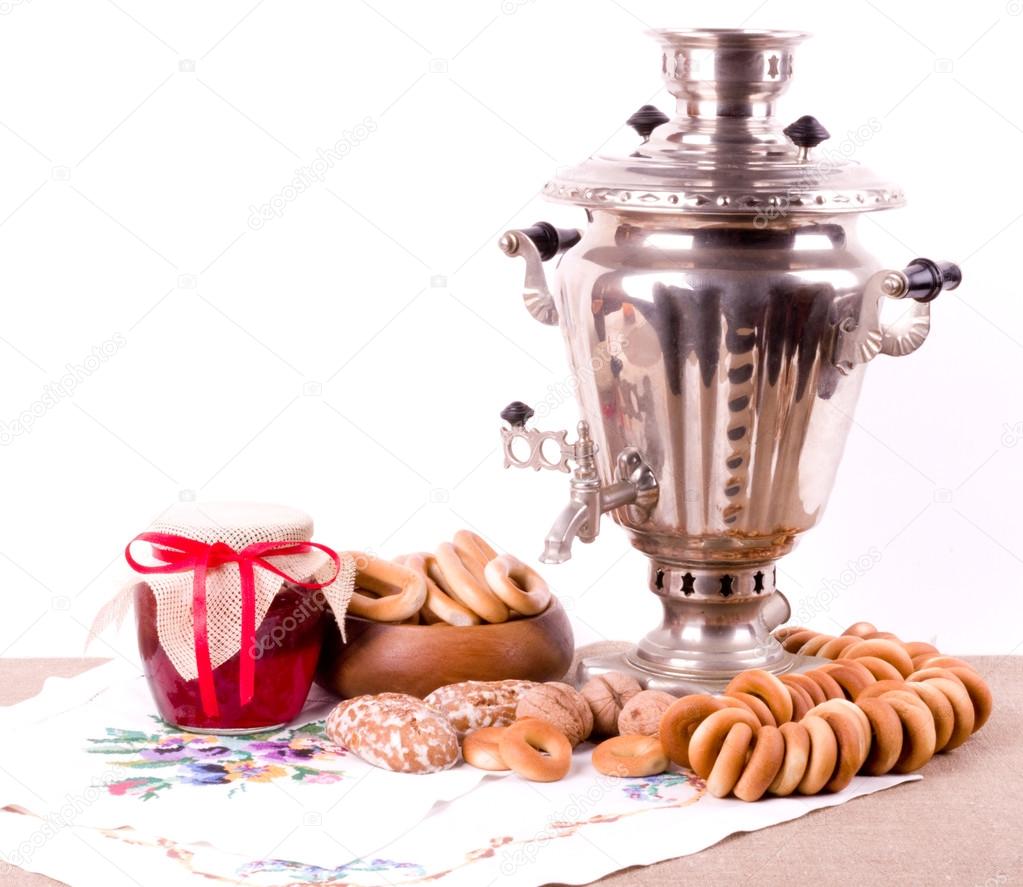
(725, 72)
(723, 152)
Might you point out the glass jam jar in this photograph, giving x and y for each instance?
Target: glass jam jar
(207, 571)
(288, 644)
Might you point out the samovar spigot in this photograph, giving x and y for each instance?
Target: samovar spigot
(634, 487)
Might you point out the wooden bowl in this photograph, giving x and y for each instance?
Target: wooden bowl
(382, 657)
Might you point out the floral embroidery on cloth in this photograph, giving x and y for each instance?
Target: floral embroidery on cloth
(649, 788)
(169, 757)
(313, 874)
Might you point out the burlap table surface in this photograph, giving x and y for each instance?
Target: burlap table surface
(961, 824)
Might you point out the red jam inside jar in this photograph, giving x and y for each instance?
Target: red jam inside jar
(287, 647)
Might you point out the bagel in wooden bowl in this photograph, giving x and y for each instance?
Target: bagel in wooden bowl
(384, 657)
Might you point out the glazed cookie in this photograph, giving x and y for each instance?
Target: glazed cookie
(472, 705)
(394, 731)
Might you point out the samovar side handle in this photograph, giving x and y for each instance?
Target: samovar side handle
(536, 244)
(861, 339)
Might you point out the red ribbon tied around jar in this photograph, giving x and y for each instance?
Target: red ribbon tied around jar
(179, 554)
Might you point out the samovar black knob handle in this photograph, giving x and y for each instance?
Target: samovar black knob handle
(548, 240)
(646, 120)
(806, 133)
(922, 279)
(517, 414)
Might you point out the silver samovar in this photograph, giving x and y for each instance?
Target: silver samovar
(719, 313)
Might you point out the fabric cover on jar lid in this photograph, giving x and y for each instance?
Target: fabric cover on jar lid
(237, 525)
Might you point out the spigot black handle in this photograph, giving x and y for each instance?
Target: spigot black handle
(517, 414)
(550, 241)
(926, 278)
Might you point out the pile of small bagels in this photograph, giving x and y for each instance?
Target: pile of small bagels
(463, 582)
(880, 706)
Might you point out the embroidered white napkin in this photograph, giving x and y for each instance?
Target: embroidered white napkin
(107, 795)
(93, 742)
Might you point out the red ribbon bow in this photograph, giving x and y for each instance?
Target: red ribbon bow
(180, 554)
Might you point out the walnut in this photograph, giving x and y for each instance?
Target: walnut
(607, 695)
(561, 705)
(642, 713)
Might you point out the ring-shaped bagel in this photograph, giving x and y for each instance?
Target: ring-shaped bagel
(833, 648)
(980, 694)
(474, 545)
(439, 606)
(886, 736)
(852, 680)
(785, 631)
(471, 562)
(851, 710)
(941, 711)
(808, 685)
(797, 756)
(811, 647)
(875, 690)
(634, 755)
(851, 748)
(865, 673)
(920, 648)
(708, 737)
(918, 731)
(796, 639)
(466, 588)
(827, 684)
(962, 706)
(766, 687)
(756, 705)
(823, 755)
(883, 648)
(517, 585)
(402, 590)
(763, 764)
(801, 701)
(680, 720)
(730, 759)
(481, 749)
(536, 750)
(880, 669)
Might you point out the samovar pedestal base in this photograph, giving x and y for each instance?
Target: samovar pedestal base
(677, 683)
(717, 622)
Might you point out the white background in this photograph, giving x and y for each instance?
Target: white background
(351, 355)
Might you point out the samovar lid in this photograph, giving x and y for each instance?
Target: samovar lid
(724, 152)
